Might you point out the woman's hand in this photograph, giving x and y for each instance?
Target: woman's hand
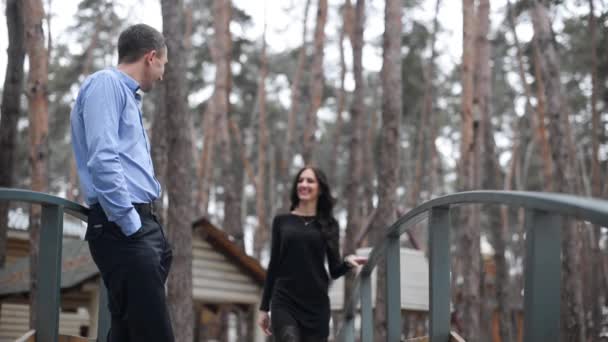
(264, 323)
(355, 260)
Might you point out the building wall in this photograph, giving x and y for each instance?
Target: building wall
(215, 279)
(14, 321)
(414, 282)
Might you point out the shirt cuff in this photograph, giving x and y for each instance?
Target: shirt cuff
(130, 223)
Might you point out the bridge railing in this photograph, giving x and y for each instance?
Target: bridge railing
(49, 261)
(545, 213)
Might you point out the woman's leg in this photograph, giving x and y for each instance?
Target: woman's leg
(309, 336)
(284, 326)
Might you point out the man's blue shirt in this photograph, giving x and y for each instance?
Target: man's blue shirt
(111, 147)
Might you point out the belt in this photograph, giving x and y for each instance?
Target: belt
(145, 208)
(141, 208)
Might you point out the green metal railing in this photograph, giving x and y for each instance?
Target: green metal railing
(544, 218)
(49, 261)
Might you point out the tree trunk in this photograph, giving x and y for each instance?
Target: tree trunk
(429, 106)
(500, 242)
(288, 148)
(466, 144)
(368, 129)
(573, 327)
(548, 167)
(538, 123)
(10, 109)
(425, 138)
(263, 230)
(37, 94)
(337, 134)
(488, 172)
(205, 170)
(388, 170)
(238, 137)
(159, 144)
(316, 83)
(222, 13)
(353, 186)
(179, 186)
(597, 293)
(468, 179)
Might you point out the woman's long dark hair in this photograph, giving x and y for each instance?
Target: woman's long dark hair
(325, 205)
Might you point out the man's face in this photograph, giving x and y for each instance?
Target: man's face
(155, 61)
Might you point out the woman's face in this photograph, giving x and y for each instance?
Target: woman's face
(308, 186)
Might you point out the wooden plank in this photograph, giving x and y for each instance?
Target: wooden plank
(220, 296)
(70, 338)
(198, 243)
(30, 336)
(419, 339)
(225, 285)
(221, 275)
(205, 264)
(454, 337)
(206, 254)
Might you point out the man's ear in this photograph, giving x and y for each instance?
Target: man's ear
(149, 57)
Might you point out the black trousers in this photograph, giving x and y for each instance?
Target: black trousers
(134, 269)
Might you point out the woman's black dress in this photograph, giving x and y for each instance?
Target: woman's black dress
(297, 281)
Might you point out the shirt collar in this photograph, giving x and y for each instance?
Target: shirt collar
(128, 80)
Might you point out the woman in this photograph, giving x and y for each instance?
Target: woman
(297, 282)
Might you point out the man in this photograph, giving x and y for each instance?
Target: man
(117, 179)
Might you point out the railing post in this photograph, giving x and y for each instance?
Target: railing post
(393, 289)
(542, 276)
(439, 274)
(348, 330)
(104, 319)
(48, 296)
(367, 320)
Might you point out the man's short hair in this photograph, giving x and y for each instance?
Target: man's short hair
(137, 40)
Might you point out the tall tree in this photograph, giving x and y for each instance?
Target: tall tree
(536, 117)
(424, 131)
(353, 186)
(489, 173)
(337, 134)
(468, 179)
(263, 229)
(596, 132)
(179, 185)
(10, 109)
(316, 83)
(37, 94)
(204, 172)
(222, 13)
(573, 327)
(159, 145)
(288, 148)
(429, 106)
(388, 170)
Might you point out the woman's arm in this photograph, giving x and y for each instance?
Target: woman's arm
(337, 266)
(272, 265)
